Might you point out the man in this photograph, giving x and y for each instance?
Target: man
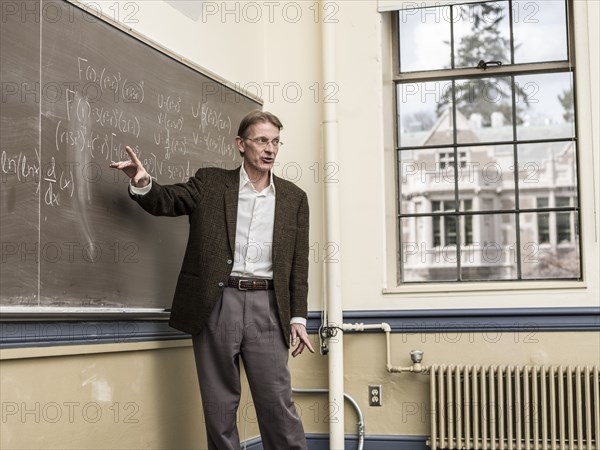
(242, 290)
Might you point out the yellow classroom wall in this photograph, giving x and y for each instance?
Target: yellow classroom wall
(146, 396)
(147, 393)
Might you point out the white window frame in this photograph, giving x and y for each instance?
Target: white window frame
(583, 31)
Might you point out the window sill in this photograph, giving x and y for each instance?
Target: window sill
(489, 286)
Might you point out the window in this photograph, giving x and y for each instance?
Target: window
(486, 142)
(555, 228)
(564, 221)
(543, 222)
(446, 160)
(444, 226)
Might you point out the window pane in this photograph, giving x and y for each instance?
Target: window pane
(424, 114)
(554, 258)
(466, 230)
(437, 231)
(443, 206)
(421, 178)
(539, 28)
(424, 39)
(545, 108)
(422, 260)
(492, 253)
(481, 32)
(449, 235)
(446, 159)
(543, 221)
(564, 227)
(543, 225)
(484, 110)
(546, 166)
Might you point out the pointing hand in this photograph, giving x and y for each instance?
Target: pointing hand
(133, 168)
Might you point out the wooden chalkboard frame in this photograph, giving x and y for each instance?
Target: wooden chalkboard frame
(38, 313)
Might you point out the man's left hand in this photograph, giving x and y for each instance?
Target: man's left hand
(300, 336)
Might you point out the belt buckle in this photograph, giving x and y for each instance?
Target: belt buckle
(240, 284)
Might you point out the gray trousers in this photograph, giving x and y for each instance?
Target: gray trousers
(245, 324)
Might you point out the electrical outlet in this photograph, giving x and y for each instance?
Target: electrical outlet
(375, 395)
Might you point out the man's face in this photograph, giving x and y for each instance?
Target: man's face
(259, 158)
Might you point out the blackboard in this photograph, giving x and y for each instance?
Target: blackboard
(76, 89)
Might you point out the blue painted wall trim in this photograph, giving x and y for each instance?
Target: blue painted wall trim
(42, 333)
(319, 441)
(496, 319)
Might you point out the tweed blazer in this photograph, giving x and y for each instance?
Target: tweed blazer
(210, 199)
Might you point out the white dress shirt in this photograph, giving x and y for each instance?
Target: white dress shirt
(253, 252)
(253, 255)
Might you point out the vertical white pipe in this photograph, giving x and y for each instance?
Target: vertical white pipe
(332, 235)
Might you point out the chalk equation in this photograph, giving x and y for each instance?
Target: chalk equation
(171, 130)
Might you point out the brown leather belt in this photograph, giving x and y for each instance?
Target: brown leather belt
(250, 284)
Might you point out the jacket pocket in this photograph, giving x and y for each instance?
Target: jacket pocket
(186, 300)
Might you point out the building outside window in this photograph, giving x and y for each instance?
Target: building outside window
(446, 159)
(555, 228)
(486, 142)
(445, 230)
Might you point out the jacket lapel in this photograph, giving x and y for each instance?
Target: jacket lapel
(231, 205)
(280, 194)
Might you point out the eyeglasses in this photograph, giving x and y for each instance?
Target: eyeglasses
(263, 142)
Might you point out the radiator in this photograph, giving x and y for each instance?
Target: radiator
(521, 408)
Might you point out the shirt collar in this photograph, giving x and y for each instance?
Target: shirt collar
(245, 180)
